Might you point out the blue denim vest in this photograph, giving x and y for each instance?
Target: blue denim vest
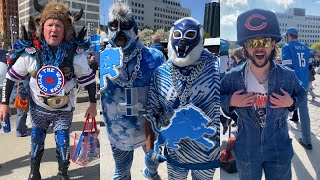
(271, 143)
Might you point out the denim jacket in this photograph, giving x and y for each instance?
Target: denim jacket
(271, 143)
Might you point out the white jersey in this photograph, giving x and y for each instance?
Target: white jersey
(27, 64)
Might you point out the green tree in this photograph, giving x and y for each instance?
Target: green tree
(206, 35)
(315, 46)
(145, 36)
(164, 35)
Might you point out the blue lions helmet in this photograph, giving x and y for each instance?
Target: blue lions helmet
(122, 28)
(185, 42)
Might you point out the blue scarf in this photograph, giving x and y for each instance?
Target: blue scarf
(48, 57)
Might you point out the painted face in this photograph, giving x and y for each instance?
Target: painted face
(122, 33)
(53, 31)
(185, 36)
(259, 50)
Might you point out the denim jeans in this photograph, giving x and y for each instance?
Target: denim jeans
(273, 170)
(305, 121)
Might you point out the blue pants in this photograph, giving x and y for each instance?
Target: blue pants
(21, 119)
(305, 121)
(273, 170)
(123, 162)
(177, 173)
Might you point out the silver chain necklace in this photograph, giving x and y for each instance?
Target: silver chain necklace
(176, 74)
(136, 52)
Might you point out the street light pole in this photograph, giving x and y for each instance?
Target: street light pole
(12, 28)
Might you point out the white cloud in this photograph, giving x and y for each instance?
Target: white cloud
(232, 3)
(284, 3)
(229, 20)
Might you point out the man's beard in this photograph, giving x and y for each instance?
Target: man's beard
(267, 57)
(253, 60)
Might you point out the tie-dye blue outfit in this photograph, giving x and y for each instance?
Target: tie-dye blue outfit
(124, 105)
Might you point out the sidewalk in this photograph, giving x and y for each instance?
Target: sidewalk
(305, 163)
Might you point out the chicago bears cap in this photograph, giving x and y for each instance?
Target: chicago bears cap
(257, 23)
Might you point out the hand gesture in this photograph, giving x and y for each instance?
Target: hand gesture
(4, 110)
(242, 100)
(92, 111)
(155, 157)
(279, 101)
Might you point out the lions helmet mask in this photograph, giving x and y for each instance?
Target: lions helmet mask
(122, 27)
(186, 42)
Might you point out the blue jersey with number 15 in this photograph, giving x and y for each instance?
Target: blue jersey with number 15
(296, 56)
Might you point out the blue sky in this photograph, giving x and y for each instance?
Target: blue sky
(196, 6)
(230, 10)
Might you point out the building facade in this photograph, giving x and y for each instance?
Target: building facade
(91, 12)
(156, 14)
(308, 26)
(212, 18)
(8, 23)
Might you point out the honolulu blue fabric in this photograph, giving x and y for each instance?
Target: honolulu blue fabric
(224, 47)
(123, 107)
(62, 141)
(162, 99)
(299, 55)
(157, 46)
(38, 136)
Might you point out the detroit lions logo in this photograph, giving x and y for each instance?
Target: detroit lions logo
(188, 122)
(110, 62)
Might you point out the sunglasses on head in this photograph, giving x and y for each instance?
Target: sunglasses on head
(113, 25)
(264, 42)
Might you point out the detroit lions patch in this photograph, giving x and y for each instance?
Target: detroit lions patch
(110, 62)
(188, 122)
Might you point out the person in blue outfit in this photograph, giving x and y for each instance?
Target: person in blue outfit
(183, 106)
(261, 93)
(156, 43)
(296, 56)
(21, 127)
(224, 57)
(124, 89)
(54, 59)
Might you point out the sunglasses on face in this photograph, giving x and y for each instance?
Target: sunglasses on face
(264, 42)
(123, 25)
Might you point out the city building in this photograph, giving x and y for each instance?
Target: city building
(308, 26)
(156, 14)
(8, 23)
(212, 18)
(90, 17)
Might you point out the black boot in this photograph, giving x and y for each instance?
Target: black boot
(63, 169)
(35, 166)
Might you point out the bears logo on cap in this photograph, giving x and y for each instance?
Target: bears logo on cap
(257, 23)
(255, 28)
